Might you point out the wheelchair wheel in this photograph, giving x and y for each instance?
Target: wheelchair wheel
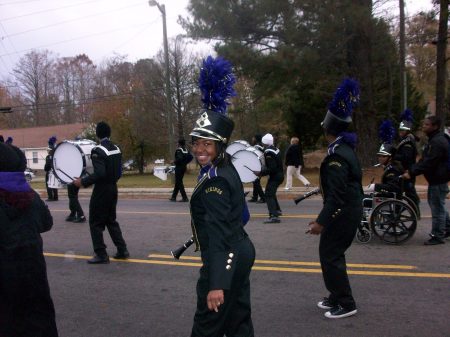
(393, 221)
(363, 235)
(413, 205)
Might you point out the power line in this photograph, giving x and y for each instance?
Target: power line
(70, 40)
(71, 20)
(48, 10)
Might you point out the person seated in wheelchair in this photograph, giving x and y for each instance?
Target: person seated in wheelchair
(391, 184)
(390, 181)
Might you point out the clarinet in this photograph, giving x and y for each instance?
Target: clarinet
(307, 195)
(179, 251)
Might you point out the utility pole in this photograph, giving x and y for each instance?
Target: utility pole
(441, 63)
(162, 9)
(403, 92)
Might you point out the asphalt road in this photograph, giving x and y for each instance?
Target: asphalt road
(400, 290)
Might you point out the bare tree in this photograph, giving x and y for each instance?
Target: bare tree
(185, 100)
(33, 73)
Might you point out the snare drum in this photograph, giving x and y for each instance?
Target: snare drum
(72, 159)
(247, 163)
(236, 146)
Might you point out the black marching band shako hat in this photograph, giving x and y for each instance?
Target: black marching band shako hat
(406, 123)
(339, 114)
(51, 143)
(216, 84)
(386, 132)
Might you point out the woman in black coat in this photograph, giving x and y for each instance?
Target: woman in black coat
(26, 308)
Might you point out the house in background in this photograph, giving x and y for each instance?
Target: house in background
(34, 141)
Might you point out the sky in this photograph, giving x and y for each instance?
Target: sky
(98, 28)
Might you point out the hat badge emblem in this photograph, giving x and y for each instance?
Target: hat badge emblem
(203, 120)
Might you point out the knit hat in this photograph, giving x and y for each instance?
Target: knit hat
(267, 139)
(12, 159)
(103, 130)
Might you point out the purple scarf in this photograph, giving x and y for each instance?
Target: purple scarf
(14, 182)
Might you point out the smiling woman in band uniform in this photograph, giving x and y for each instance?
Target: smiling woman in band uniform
(219, 213)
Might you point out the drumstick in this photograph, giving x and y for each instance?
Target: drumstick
(248, 168)
(65, 174)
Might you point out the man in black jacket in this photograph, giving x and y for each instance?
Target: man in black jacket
(182, 158)
(274, 169)
(107, 162)
(433, 166)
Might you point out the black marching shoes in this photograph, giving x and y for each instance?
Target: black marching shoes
(339, 312)
(122, 255)
(96, 259)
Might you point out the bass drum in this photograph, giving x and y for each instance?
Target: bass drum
(72, 159)
(237, 146)
(248, 163)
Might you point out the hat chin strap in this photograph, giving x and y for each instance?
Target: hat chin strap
(197, 132)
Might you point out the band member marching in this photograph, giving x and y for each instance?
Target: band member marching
(107, 162)
(217, 206)
(406, 154)
(340, 183)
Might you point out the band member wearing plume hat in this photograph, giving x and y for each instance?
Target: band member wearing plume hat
(107, 162)
(340, 185)
(48, 167)
(219, 213)
(406, 154)
(390, 181)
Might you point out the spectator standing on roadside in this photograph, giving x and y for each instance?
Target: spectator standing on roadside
(294, 163)
(26, 307)
(435, 167)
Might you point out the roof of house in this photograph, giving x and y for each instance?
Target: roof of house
(37, 137)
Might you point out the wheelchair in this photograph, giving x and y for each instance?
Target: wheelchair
(391, 218)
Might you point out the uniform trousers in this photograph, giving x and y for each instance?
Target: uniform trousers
(102, 213)
(410, 191)
(234, 316)
(334, 241)
(74, 204)
(179, 186)
(271, 196)
(257, 190)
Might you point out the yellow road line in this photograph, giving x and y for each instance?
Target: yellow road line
(297, 263)
(268, 268)
(253, 215)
